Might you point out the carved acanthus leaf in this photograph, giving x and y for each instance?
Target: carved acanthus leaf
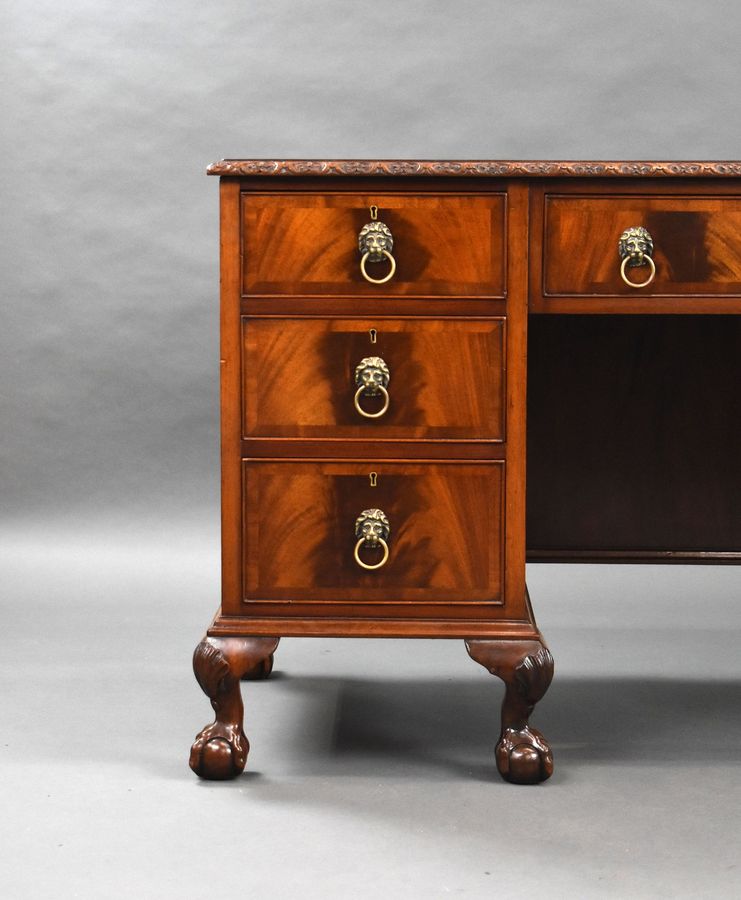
(210, 667)
(497, 168)
(534, 674)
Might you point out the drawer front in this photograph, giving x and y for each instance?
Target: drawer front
(445, 542)
(306, 244)
(303, 378)
(696, 245)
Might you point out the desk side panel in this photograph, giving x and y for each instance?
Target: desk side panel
(231, 377)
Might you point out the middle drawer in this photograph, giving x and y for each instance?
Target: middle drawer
(382, 378)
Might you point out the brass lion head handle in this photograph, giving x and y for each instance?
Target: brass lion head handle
(636, 248)
(372, 377)
(375, 242)
(372, 530)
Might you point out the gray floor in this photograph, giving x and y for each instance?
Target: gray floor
(371, 771)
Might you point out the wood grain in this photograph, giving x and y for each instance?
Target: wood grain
(517, 323)
(574, 260)
(447, 378)
(409, 448)
(307, 244)
(446, 531)
(697, 244)
(376, 624)
(230, 382)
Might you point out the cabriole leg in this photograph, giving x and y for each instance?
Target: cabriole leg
(220, 750)
(526, 667)
(261, 671)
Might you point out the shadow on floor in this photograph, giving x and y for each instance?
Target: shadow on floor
(456, 724)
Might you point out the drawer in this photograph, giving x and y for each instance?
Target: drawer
(441, 379)
(445, 542)
(306, 244)
(696, 245)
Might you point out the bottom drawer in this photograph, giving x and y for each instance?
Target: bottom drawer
(442, 526)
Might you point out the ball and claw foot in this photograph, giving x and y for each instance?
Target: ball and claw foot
(524, 756)
(526, 667)
(219, 752)
(220, 749)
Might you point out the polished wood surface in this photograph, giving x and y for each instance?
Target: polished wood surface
(445, 543)
(380, 622)
(697, 244)
(447, 378)
(517, 323)
(632, 422)
(696, 229)
(230, 403)
(307, 244)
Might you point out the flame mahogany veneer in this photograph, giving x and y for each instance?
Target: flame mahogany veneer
(477, 246)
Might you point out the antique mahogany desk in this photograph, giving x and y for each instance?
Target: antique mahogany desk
(385, 328)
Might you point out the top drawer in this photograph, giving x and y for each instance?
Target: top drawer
(306, 244)
(696, 245)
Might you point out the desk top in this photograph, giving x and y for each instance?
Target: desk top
(482, 167)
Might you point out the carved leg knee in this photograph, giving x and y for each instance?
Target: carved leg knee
(261, 671)
(220, 749)
(526, 667)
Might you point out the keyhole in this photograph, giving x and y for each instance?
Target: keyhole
(373, 335)
(373, 479)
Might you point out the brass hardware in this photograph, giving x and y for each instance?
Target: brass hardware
(636, 248)
(371, 378)
(373, 335)
(375, 242)
(381, 411)
(373, 479)
(638, 284)
(372, 530)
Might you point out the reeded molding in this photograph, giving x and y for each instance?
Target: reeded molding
(499, 168)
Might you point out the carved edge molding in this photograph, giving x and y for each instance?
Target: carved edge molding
(509, 168)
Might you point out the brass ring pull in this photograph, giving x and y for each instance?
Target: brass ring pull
(389, 275)
(372, 530)
(636, 247)
(638, 284)
(378, 565)
(375, 242)
(372, 377)
(368, 415)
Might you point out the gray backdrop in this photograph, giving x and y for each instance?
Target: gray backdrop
(109, 465)
(113, 110)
